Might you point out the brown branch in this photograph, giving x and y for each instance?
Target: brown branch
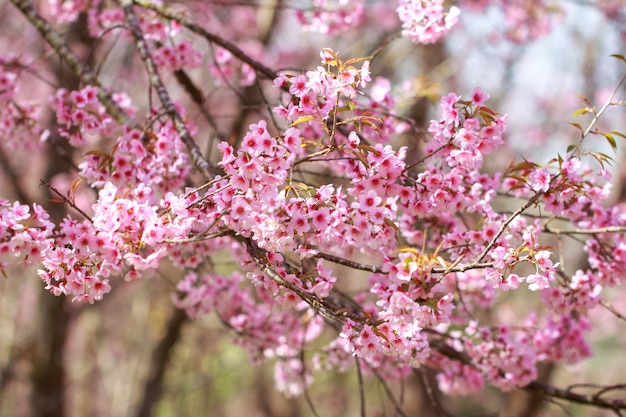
(392, 398)
(197, 97)
(212, 38)
(348, 263)
(66, 199)
(609, 229)
(612, 310)
(568, 395)
(82, 70)
(461, 268)
(533, 200)
(155, 81)
(596, 115)
(383, 45)
(433, 152)
(323, 306)
(539, 387)
(359, 375)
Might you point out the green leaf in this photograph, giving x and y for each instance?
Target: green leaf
(337, 60)
(584, 100)
(577, 126)
(610, 139)
(618, 56)
(302, 120)
(582, 111)
(621, 135)
(407, 249)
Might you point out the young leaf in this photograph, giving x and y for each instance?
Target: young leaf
(610, 139)
(621, 135)
(618, 56)
(582, 111)
(302, 120)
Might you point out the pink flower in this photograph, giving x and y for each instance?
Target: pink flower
(539, 180)
(537, 282)
(479, 97)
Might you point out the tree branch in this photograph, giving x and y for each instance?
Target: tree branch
(232, 48)
(82, 71)
(155, 81)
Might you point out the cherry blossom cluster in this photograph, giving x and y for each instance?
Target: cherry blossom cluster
(24, 235)
(125, 235)
(523, 20)
(103, 18)
(133, 228)
(316, 95)
(149, 164)
(19, 121)
(440, 251)
(332, 16)
(69, 11)
(265, 328)
(81, 116)
(426, 21)
(506, 357)
(178, 56)
(117, 239)
(226, 69)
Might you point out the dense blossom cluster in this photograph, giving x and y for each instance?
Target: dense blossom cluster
(332, 16)
(147, 165)
(523, 20)
(23, 235)
(426, 21)
(81, 114)
(19, 121)
(441, 249)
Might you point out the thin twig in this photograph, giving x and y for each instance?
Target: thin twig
(383, 45)
(396, 404)
(608, 229)
(565, 394)
(155, 81)
(198, 98)
(531, 201)
(82, 70)
(612, 310)
(230, 47)
(348, 263)
(359, 376)
(67, 200)
(596, 115)
(305, 391)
